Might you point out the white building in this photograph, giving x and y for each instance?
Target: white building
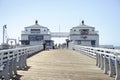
(35, 35)
(84, 35)
(81, 35)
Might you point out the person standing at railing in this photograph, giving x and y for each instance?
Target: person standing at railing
(44, 46)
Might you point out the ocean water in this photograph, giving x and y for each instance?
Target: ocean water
(117, 48)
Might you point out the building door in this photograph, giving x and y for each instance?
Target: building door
(93, 43)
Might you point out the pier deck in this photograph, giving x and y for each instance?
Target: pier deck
(62, 64)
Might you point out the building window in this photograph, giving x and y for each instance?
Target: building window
(35, 29)
(84, 31)
(93, 43)
(74, 30)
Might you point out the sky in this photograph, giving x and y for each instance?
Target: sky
(104, 15)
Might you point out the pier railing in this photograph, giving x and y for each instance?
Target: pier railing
(106, 59)
(13, 59)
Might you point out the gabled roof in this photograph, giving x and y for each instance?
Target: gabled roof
(83, 25)
(36, 25)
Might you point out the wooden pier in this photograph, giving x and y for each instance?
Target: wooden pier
(62, 64)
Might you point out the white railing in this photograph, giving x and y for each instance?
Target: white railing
(13, 59)
(78, 32)
(106, 59)
(60, 34)
(35, 32)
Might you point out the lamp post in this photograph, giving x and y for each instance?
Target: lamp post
(11, 42)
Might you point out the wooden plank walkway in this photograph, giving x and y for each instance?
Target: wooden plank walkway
(62, 64)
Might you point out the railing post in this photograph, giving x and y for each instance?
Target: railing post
(97, 57)
(99, 60)
(106, 66)
(102, 61)
(117, 67)
(111, 67)
(15, 66)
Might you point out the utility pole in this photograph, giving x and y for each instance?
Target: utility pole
(59, 28)
(18, 40)
(4, 27)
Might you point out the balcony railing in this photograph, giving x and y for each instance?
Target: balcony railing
(89, 33)
(59, 34)
(35, 32)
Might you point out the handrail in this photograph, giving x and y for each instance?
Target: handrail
(11, 59)
(106, 59)
(9, 52)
